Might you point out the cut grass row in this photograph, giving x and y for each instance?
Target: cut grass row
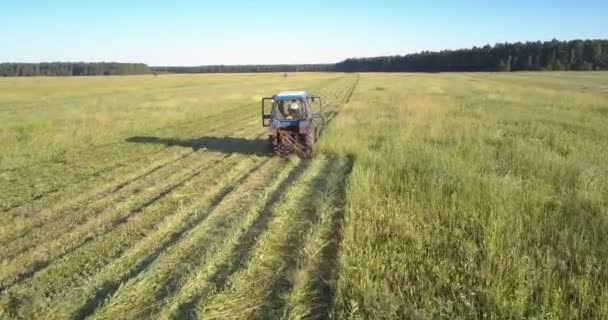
(104, 168)
(126, 200)
(149, 288)
(74, 234)
(178, 213)
(20, 226)
(125, 211)
(143, 296)
(262, 288)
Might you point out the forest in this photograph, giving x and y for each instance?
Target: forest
(72, 69)
(529, 56)
(247, 68)
(581, 55)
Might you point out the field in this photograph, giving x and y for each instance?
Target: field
(428, 196)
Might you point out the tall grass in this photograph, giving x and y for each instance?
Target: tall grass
(474, 196)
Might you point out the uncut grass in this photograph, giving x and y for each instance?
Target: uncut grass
(259, 290)
(472, 199)
(138, 240)
(144, 295)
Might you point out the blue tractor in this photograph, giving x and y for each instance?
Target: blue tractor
(292, 122)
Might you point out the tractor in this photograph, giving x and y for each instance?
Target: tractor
(292, 123)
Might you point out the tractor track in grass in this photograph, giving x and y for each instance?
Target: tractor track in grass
(202, 285)
(106, 226)
(126, 164)
(34, 200)
(177, 265)
(285, 283)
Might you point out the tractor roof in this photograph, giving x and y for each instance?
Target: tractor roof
(291, 95)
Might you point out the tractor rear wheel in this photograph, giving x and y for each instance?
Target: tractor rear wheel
(309, 141)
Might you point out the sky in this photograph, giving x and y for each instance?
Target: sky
(169, 33)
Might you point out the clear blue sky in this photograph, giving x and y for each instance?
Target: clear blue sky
(265, 32)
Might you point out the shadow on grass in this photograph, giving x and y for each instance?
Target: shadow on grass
(226, 145)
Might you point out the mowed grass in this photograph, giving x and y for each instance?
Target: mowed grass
(428, 196)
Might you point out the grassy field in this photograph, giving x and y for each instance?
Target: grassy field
(428, 196)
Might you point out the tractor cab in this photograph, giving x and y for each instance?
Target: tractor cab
(287, 109)
(292, 121)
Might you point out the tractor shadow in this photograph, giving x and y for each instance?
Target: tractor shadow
(226, 145)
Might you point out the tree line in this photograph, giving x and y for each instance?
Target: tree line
(247, 68)
(548, 55)
(72, 69)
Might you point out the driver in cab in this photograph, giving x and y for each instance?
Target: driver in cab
(294, 110)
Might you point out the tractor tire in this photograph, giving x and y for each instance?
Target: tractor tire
(309, 141)
(271, 143)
